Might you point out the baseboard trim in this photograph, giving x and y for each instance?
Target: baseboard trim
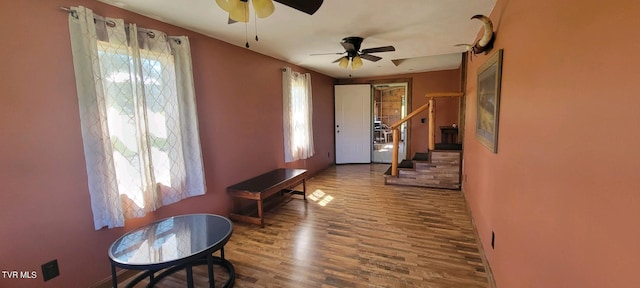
(122, 275)
(483, 256)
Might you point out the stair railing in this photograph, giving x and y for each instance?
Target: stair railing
(432, 126)
(396, 136)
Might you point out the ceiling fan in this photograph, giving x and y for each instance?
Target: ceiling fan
(239, 9)
(355, 55)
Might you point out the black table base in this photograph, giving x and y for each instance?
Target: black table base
(209, 261)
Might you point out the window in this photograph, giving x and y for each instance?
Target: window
(138, 117)
(138, 126)
(297, 108)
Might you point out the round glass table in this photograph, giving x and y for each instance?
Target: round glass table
(173, 244)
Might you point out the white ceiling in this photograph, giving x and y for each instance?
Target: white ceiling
(423, 32)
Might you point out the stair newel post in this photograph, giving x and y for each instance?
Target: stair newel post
(432, 124)
(394, 154)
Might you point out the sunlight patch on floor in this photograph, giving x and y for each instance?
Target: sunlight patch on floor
(321, 197)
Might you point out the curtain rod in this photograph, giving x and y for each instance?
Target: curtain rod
(75, 15)
(70, 11)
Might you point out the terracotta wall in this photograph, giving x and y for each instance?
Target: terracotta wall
(45, 210)
(421, 84)
(562, 194)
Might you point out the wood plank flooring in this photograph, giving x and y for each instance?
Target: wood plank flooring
(354, 231)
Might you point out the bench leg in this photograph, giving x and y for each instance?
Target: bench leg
(304, 189)
(260, 213)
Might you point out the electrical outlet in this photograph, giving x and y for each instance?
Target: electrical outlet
(493, 240)
(50, 270)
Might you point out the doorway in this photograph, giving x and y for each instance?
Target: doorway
(389, 107)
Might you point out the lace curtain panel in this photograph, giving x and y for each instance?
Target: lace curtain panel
(298, 114)
(138, 117)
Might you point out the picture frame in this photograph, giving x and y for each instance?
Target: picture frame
(488, 101)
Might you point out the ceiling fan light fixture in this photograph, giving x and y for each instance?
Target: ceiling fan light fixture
(240, 11)
(227, 5)
(263, 8)
(356, 62)
(344, 62)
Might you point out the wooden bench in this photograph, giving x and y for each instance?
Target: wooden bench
(262, 187)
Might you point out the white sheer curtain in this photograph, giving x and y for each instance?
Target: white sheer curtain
(298, 114)
(138, 117)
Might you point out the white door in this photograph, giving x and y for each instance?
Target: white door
(353, 123)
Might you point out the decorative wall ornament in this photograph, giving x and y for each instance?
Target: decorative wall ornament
(488, 101)
(485, 43)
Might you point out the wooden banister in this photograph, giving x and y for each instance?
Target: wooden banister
(396, 137)
(444, 94)
(394, 152)
(432, 122)
(411, 115)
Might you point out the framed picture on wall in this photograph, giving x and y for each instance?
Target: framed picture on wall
(488, 101)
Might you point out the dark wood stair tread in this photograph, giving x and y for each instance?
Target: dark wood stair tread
(403, 164)
(421, 156)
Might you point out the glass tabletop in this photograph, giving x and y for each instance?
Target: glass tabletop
(171, 239)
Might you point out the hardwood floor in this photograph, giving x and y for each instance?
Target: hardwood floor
(354, 231)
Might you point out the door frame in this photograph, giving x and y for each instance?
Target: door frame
(409, 82)
(407, 107)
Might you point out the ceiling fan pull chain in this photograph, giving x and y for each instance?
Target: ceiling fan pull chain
(246, 35)
(246, 29)
(255, 20)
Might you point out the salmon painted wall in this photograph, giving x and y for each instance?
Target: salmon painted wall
(45, 210)
(563, 193)
(423, 83)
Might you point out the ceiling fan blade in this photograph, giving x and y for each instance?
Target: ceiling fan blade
(373, 58)
(336, 53)
(306, 6)
(378, 49)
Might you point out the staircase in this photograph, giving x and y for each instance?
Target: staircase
(440, 169)
(435, 169)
